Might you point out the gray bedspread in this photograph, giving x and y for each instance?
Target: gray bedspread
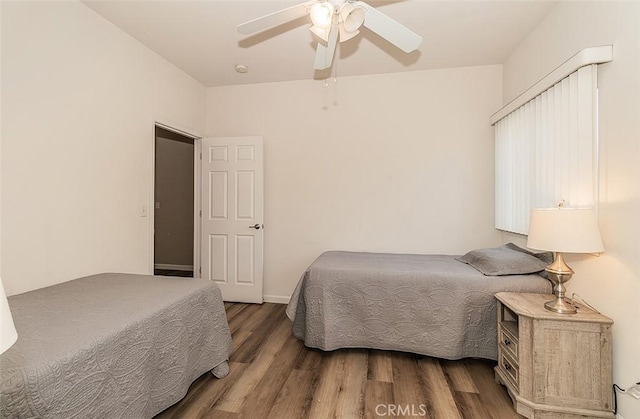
(426, 304)
(111, 346)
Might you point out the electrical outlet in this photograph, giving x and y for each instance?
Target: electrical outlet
(634, 391)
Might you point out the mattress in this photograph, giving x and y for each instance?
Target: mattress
(111, 346)
(426, 304)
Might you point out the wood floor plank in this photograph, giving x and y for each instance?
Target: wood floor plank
(244, 319)
(458, 376)
(439, 399)
(239, 338)
(262, 398)
(310, 359)
(380, 366)
(495, 398)
(221, 414)
(294, 398)
(235, 398)
(255, 315)
(351, 391)
(251, 346)
(200, 400)
(215, 393)
(196, 388)
(470, 405)
(277, 377)
(407, 385)
(325, 396)
(233, 309)
(378, 398)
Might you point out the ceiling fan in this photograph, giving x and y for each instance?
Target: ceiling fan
(337, 19)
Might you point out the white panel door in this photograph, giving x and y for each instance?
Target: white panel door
(232, 216)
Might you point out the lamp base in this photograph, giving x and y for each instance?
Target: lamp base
(560, 306)
(559, 273)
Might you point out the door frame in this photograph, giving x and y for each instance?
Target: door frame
(172, 126)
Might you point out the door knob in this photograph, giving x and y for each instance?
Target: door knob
(256, 226)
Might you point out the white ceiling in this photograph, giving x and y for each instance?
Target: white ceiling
(200, 37)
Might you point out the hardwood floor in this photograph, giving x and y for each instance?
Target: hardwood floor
(273, 375)
(172, 272)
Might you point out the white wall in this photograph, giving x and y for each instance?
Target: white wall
(610, 282)
(386, 163)
(78, 103)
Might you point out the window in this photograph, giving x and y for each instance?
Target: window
(546, 151)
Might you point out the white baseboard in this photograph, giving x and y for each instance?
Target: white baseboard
(173, 267)
(278, 299)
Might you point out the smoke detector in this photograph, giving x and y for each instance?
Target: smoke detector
(241, 68)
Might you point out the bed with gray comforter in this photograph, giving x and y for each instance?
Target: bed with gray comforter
(112, 346)
(433, 305)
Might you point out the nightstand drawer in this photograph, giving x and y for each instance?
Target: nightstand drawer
(509, 368)
(508, 342)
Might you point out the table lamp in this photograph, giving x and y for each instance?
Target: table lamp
(8, 335)
(563, 230)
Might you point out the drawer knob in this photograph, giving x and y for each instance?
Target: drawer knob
(507, 367)
(507, 342)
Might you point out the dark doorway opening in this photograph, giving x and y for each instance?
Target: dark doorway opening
(173, 204)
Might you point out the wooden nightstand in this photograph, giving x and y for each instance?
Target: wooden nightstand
(554, 365)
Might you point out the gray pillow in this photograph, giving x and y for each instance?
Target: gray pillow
(504, 260)
(546, 257)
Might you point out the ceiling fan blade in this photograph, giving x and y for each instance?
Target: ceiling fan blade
(275, 18)
(389, 29)
(324, 55)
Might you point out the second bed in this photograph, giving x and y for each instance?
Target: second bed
(432, 305)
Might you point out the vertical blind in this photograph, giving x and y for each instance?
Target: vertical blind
(546, 151)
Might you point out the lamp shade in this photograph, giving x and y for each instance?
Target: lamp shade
(8, 335)
(568, 230)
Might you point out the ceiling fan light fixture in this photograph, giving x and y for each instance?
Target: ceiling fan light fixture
(346, 35)
(337, 19)
(352, 16)
(322, 14)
